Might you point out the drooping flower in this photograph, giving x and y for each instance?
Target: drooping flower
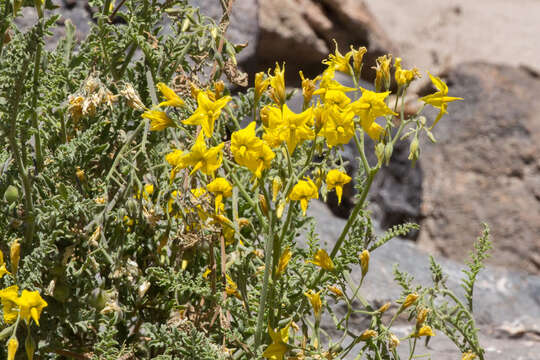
(175, 159)
(335, 290)
(9, 297)
(409, 300)
(30, 305)
(283, 261)
(322, 259)
(439, 99)
(425, 330)
(3, 269)
(221, 188)
(336, 180)
(277, 349)
(207, 112)
(316, 303)
(202, 158)
(171, 98)
(158, 120)
(303, 191)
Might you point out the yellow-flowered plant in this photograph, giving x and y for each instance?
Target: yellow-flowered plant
(152, 211)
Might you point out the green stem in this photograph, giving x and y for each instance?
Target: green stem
(35, 124)
(360, 145)
(266, 278)
(350, 221)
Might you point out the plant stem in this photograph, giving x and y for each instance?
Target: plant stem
(35, 125)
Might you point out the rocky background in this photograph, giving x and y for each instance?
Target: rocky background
(485, 166)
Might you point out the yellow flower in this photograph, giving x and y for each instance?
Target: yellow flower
(336, 180)
(370, 106)
(9, 297)
(424, 331)
(146, 193)
(468, 356)
(364, 262)
(158, 120)
(303, 191)
(3, 270)
(277, 349)
(368, 334)
(12, 346)
(404, 77)
(276, 186)
(31, 304)
(245, 146)
(201, 158)
(14, 256)
(316, 303)
(261, 85)
(409, 300)
(422, 316)
(384, 307)
(231, 288)
(170, 95)
(339, 62)
(287, 126)
(207, 112)
(358, 56)
(175, 159)
(338, 98)
(308, 88)
(328, 83)
(170, 209)
(322, 259)
(75, 107)
(277, 83)
(221, 188)
(382, 76)
(283, 261)
(439, 99)
(335, 290)
(394, 341)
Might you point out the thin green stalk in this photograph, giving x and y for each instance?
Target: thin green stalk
(350, 221)
(360, 145)
(266, 278)
(35, 125)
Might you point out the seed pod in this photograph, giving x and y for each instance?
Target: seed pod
(12, 194)
(30, 347)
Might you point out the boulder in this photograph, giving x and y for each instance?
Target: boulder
(485, 167)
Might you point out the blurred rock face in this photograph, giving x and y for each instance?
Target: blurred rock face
(485, 167)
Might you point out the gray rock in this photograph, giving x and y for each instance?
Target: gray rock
(485, 167)
(506, 302)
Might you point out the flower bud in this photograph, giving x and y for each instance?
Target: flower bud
(383, 308)
(394, 341)
(364, 262)
(379, 152)
(409, 300)
(421, 316)
(368, 334)
(185, 24)
(280, 209)
(12, 346)
(276, 186)
(388, 150)
(414, 150)
(15, 255)
(263, 203)
(335, 290)
(382, 77)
